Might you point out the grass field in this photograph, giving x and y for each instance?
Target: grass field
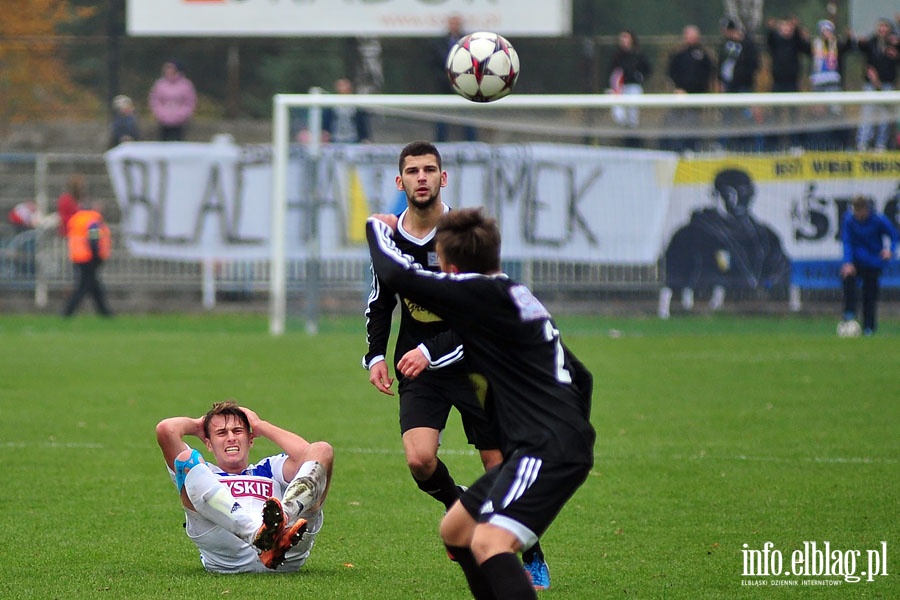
(713, 433)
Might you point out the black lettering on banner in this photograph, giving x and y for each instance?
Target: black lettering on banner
(841, 204)
(832, 167)
(136, 174)
(533, 206)
(575, 216)
(790, 167)
(237, 208)
(139, 195)
(810, 217)
(573, 194)
(880, 166)
(213, 202)
(510, 179)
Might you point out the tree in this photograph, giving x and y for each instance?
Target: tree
(34, 79)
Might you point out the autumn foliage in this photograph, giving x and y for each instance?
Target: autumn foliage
(34, 81)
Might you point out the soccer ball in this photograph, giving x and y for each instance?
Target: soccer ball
(848, 328)
(483, 67)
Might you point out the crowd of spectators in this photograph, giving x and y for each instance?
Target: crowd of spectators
(780, 56)
(799, 59)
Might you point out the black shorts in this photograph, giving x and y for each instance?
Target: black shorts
(524, 495)
(426, 401)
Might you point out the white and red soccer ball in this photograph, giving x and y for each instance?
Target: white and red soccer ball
(483, 67)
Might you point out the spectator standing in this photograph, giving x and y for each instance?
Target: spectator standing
(738, 60)
(786, 42)
(69, 202)
(124, 125)
(691, 71)
(628, 70)
(881, 55)
(738, 64)
(440, 49)
(870, 241)
(826, 63)
(345, 124)
(172, 101)
(90, 245)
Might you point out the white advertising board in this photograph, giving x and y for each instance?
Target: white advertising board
(322, 18)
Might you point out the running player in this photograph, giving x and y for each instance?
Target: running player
(538, 392)
(244, 517)
(439, 380)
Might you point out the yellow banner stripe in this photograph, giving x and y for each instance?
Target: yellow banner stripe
(806, 166)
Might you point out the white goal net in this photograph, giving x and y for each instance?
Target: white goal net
(671, 198)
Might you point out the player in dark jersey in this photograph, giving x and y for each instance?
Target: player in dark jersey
(537, 392)
(440, 380)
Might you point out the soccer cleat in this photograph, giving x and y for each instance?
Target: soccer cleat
(272, 526)
(290, 537)
(539, 572)
(303, 492)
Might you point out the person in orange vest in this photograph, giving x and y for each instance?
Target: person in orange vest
(90, 244)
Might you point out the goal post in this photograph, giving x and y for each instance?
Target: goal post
(580, 128)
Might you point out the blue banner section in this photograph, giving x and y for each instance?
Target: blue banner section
(825, 274)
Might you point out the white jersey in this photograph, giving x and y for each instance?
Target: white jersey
(223, 552)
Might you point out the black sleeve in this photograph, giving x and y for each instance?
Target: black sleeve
(445, 349)
(441, 293)
(379, 310)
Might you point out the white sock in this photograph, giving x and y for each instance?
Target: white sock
(304, 503)
(665, 301)
(718, 298)
(687, 298)
(214, 501)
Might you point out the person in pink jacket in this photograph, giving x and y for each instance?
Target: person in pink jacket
(172, 100)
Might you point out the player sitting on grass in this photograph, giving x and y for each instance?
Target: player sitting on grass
(247, 517)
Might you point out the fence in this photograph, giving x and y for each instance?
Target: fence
(35, 266)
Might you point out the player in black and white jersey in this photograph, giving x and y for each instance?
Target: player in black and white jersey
(243, 517)
(538, 393)
(440, 380)
(425, 401)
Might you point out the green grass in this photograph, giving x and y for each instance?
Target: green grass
(712, 433)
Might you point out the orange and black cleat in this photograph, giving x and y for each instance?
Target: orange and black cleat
(290, 537)
(272, 526)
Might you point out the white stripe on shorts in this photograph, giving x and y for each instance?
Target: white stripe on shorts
(529, 468)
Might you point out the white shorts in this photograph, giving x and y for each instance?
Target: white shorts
(223, 552)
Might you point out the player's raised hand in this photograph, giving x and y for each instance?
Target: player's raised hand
(412, 363)
(390, 220)
(379, 377)
(253, 418)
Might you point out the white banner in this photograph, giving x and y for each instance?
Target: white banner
(188, 201)
(384, 18)
(759, 221)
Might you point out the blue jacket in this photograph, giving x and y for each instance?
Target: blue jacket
(864, 240)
